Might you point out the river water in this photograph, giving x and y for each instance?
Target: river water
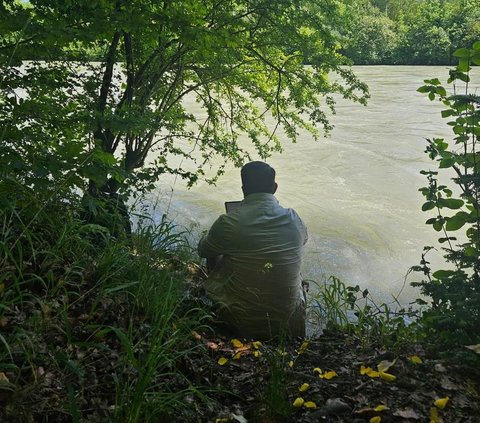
(357, 191)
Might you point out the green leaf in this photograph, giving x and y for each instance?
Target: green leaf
(450, 203)
(438, 224)
(476, 45)
(463, 65)
(442, 274)
(462, 52)
(429, 205)
(446, 163)
(457, 221)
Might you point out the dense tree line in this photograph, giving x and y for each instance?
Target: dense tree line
(409, 32)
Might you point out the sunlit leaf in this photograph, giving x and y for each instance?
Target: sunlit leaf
(236, 343)
(441, 402)
(376, 419)
(304, 387)
(310, 404)
(298, 402)
(387, 376)
(415, 359)
(222, 361)
(380, 407)
(257, 345)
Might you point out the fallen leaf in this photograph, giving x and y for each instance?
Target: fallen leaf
(415, 359)
(290, 363)
(257, 354)
(212, 345)
(388, 377)
(380, 407)
(441, 403)
(310, 404)
(298, 402)
(237, 356)
(222, 420)
(384, 365)
(303, 347)
(3, 377)
(317, 370)
(257, 345)
(237, 343)
(329, 375)
(376, 419)
(434, 418)
(222, 361)
(407, 413)
(304, 387)
(239, 418)
(474, 348)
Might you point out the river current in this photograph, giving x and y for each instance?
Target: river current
(357, 191)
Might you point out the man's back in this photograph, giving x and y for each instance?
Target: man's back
(258, 282)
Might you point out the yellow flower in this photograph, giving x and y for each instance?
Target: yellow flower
(441, 402)
(304, 387)
(236, 343)
(310, 404)
(298, 402)
(415, 359)
(376, 419)
(222, 361)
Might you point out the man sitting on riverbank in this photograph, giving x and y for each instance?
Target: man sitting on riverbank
(259, 247)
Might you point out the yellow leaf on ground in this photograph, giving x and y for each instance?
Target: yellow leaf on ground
(434, 415)
(237, 343)
(387, 376)
(304, 387)
(222, 361)
(257, 354)
(380, 407)
(303, 347)
(298, 402)
(365, 370)
(237, 356)
(415, 359)
(290, 363)
(310, 404)
(384, 365)
(441, 402)
(376, 419)
(257, 345)
(328, 375)
(317, 370)
(222, 420)
(3, 377)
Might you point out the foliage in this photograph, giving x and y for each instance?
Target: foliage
(418, 32)
(455, 290)
(176, 87)
(102, 323)
(348, 308)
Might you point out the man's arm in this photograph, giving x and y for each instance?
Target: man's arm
(218, 239)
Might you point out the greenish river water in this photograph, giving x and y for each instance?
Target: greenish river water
(357, 191)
